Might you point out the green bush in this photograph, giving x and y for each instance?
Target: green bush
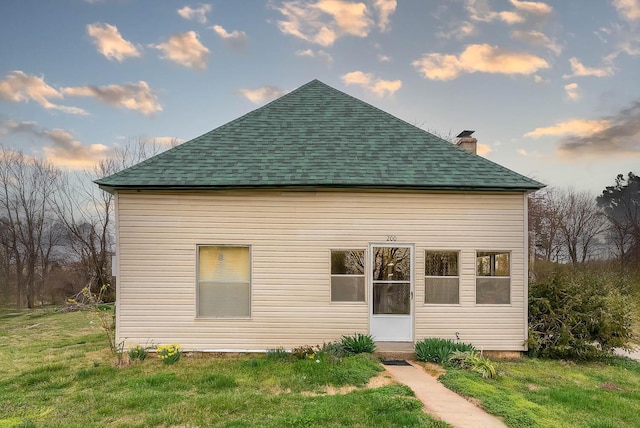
(436, 350)
(358, 344)
(471, 360)
(578, 313)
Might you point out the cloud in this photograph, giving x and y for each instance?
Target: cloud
(477, 58)
(628, 9)
(573, 91)
(484, 149)
(617, 135)
(110, 43)
(321, 55)
(523, 152)
(458, 31)
(479, 10)
(235, 39)
(18, 86)
(259, 95)
(537, 38)
(510, 17)
(195, 14)
(372, 84)
(533, 7)
(575, 127)
(539, 80)
(324, 21)
(384, 58)
(385, 9)
(64, 149)
(132, 96)
(624, 38)
(185, 49)
(579, 70)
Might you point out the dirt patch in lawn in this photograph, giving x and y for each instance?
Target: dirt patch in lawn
(610, 386)
(382, 379)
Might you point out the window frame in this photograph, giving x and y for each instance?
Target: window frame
(364, 276)
(197, 283)
(458, 255)
(510, 303)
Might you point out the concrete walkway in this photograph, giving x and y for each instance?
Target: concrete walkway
(441, 402)
(634, 355)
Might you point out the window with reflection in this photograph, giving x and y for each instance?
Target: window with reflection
(442, 280)
(493, 277)
(391, 274)
(347, 276)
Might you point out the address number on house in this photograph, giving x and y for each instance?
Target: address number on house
(392, 238)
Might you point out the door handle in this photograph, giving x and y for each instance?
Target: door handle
(411, 294)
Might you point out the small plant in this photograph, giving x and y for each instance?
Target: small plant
(169, 354)
(305, 352)
(471, 360)
(137, 353)
(334, 350)
(358, 344)
(278, 353)
(436, 350)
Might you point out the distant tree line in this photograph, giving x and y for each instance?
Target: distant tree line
(569, 226)
(56, 227)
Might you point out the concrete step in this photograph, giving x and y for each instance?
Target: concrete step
(395, 351)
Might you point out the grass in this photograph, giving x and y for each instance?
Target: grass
(56, 370)
(552, 393)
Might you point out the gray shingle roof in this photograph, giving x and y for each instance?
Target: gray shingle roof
(317, 136)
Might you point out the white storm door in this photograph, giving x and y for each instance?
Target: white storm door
(391, 292)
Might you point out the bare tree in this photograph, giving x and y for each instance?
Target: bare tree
(26, 185)
(565, 225)
(544, 225)
(581, 224)
(87, 212)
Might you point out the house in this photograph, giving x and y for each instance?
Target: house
(316, 216)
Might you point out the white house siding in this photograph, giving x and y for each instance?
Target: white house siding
(290, 234)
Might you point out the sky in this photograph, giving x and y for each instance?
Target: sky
(552, 89)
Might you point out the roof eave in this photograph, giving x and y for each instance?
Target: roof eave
(528, 189)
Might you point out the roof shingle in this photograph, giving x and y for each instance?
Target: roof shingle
(317, 136)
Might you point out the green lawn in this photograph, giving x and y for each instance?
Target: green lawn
(549, 393)
(55, 370)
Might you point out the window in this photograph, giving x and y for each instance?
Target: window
(224, 282)
(347, 275)
(493, 280)
(441, 281)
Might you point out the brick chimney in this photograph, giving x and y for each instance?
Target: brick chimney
(467, 142)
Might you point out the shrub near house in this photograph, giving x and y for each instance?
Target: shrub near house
(579, 313)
